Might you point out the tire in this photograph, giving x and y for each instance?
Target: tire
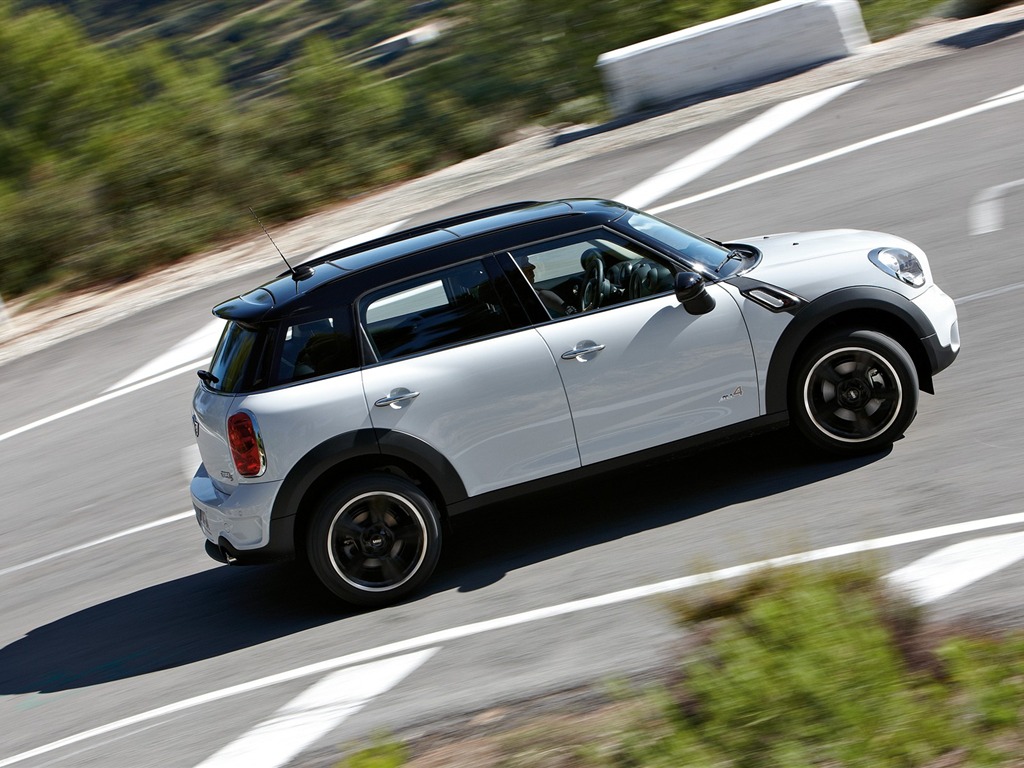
(854, 392)
(374, 540)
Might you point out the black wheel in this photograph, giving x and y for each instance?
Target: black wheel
(854, 392)
(374, 540)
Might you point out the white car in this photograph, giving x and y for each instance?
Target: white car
(360, 399)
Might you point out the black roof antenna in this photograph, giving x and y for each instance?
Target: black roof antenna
(299, 273)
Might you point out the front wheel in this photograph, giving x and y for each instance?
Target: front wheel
(854, 392)
(374, 540)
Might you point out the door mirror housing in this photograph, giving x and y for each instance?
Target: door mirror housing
(692, 294)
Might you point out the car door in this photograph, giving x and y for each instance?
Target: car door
(639, 371)
(455, 372)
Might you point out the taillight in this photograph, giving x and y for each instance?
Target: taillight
(246, 445)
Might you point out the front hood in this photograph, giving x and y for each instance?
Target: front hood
(813, 263)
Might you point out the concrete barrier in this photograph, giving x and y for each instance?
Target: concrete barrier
(750, 46)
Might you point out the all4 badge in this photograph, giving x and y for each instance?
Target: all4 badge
(738, 392)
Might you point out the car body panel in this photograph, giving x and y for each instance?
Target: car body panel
(495, 408)
(294, 418)
(663, 374)
(812, 264)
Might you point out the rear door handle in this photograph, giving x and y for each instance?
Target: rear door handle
(581, 349)
(396, 398)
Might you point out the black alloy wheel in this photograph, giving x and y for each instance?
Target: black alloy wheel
(855, 392)
(374, 540)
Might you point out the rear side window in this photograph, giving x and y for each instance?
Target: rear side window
(232, 358)
(453, 306)
(313, 346)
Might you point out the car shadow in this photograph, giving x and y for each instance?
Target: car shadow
(222, 610)
(983, 35)
(517, 534)
(179, 622)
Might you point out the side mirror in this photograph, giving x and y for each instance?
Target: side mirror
(692, 294)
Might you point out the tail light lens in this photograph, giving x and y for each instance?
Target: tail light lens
(246, 445)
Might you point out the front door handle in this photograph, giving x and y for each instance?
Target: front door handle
(396, 398)
(581, 349)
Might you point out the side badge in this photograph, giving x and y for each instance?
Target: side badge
(738, 392)
(195, 425)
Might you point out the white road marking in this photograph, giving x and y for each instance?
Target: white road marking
(440, 637)
(1002, 100)
(986, 213)
(315, 713)
(1004, 94)
(944, 572)
(98, 542)
(988, 294)
(101, 399)
(198, 346)
(728, 146)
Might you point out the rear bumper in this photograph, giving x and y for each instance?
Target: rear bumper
(237, 526)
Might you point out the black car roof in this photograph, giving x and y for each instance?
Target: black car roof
(276, 297)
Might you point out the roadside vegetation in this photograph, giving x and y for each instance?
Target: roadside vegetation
(791, 668)
(134, 133)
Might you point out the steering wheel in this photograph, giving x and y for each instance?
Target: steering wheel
(593, 286)
(647, 279)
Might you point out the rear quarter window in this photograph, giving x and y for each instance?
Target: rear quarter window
(233, 358)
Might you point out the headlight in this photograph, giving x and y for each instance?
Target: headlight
(900, 264)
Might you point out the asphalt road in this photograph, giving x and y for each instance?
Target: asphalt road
(140, 651)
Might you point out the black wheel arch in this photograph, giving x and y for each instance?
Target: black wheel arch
(359, 452)
(861, 307)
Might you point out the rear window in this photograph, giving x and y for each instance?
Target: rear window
(231, 358)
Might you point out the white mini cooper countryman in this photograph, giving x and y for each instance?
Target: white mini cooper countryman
(360, 399)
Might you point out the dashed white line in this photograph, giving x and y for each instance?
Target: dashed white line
(315, 712)
(986, 212)
(726, 147)
(1002, 100)
(950, 569)
(451, 634)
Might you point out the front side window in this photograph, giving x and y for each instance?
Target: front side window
(452, 306)
(590, 270)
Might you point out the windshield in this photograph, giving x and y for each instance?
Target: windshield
(694, 249)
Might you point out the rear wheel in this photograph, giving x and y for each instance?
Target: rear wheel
(374, 540)
(854, 392)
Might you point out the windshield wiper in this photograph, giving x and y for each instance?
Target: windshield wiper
(733, 254)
